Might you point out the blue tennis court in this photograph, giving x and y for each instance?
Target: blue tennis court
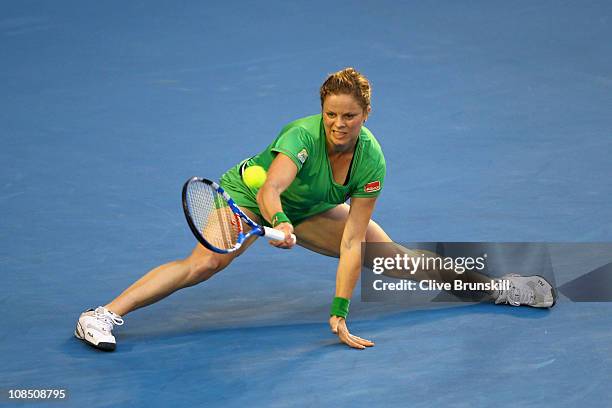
(494, 117)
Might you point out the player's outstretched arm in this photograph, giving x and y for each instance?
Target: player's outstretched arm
(349, 268)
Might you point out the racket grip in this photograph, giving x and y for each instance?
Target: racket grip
(275, 234)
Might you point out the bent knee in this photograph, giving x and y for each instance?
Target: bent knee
(202, 268)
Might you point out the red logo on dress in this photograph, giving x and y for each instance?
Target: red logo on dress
(372, 186)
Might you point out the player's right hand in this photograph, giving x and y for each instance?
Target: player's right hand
(289, 242)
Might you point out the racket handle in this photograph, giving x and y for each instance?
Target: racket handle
(275, 234)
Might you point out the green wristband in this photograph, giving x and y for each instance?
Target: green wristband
(279, 218)
(340, 307)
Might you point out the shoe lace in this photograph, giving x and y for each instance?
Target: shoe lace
(107, 319)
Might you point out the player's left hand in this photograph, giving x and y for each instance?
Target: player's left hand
(338, 326)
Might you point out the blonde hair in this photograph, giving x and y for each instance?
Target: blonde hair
(348, 81)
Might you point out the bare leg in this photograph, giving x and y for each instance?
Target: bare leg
(323, 234)
(168, 278)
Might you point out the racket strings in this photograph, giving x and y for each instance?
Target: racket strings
(212, 216)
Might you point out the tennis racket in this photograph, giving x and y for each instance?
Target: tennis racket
(216, 221)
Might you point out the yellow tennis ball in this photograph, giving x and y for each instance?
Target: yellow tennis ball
(254, 176)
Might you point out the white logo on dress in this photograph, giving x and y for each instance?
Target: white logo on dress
(302, 156)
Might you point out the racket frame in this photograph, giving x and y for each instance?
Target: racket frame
(239, 215)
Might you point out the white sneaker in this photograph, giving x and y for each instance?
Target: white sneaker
(95, 327)
(534, 291)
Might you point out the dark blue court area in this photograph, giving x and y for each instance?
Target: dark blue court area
(495, 118)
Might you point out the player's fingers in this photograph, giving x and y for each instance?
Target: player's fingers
(349, 339)
(345, 335)
(355, 337)
(279, 244)
(286, 229)
(346, 339)
(363, 342)
(290, 242)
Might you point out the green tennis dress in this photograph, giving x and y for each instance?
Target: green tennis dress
(314, 190)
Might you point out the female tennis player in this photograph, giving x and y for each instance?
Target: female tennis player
(315, 166)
